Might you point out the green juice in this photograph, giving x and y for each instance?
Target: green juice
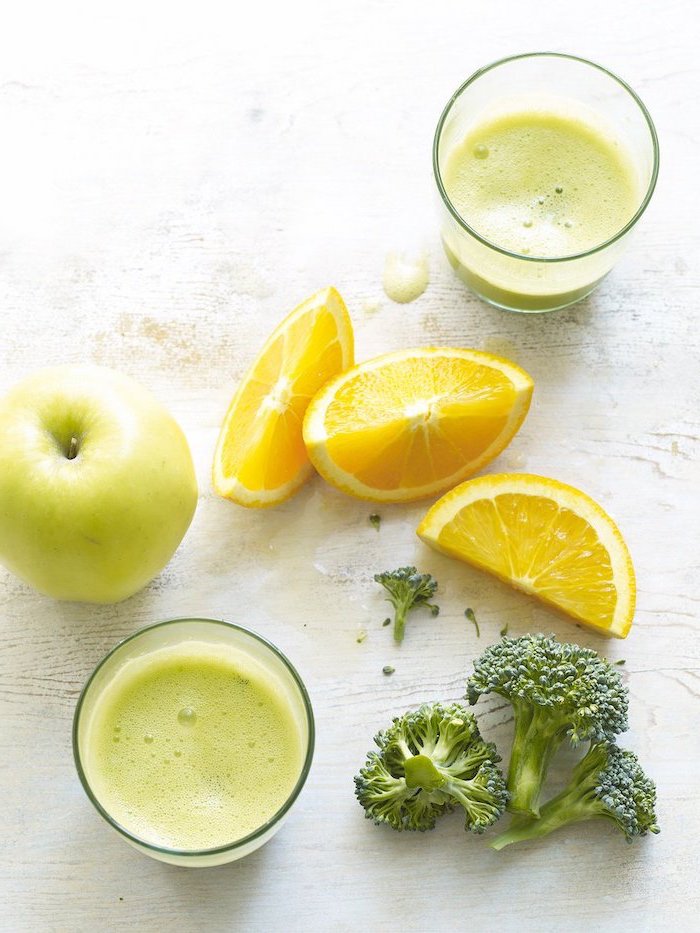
(192, 747)
(541, 184)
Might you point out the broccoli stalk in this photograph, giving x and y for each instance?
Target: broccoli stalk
(429, 762)
(557, 691)
(608, 783)
(535, 742)
(407, 589)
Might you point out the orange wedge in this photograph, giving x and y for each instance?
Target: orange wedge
(260, 457)
(543, 537)
(413, 423)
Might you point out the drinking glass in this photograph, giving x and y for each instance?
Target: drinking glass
(514, 281)
(175, 632)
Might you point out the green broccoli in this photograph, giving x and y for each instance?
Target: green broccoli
(407, 589)
(608, 783)
(557, 691)
(429, 761)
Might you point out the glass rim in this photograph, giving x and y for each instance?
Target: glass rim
(521, 256)
(243, 840)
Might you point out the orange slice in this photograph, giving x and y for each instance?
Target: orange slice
(413, 423)
(260, 457)
(541, 536)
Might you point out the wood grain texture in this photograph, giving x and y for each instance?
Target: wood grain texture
(175, 178)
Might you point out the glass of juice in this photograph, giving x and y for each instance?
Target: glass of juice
(544, 163)
(193, 738)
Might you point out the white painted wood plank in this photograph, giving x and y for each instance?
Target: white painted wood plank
(173, 182)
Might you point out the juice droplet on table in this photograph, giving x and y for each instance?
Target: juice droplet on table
(405, 277)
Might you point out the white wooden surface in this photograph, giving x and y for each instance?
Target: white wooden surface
(175, 178)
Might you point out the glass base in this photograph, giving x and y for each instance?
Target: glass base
(508, 300)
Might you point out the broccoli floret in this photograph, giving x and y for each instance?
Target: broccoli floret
(557, 691)
(608, 783)
(407, 589)
(429, 761)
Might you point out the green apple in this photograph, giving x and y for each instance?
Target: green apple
(97, 486)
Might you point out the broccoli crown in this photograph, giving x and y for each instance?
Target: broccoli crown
(406, 589)
(608, 783)
(580, 691)
(429, 761)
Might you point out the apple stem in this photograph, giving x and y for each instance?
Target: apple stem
(73, 448)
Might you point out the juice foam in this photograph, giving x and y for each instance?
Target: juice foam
(541, 183)
(190, 748)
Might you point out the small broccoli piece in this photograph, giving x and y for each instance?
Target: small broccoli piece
(608, 783)
(407, 589)
(469, 613)
(557, 691)
(430, 761)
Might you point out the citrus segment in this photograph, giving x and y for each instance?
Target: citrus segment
(541, 536)
(412, 423)
(260, 457)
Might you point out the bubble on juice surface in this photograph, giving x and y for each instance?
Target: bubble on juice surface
(559, 189)
(187, 716)
(481, 151)
(148, 738)
(527, 223)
